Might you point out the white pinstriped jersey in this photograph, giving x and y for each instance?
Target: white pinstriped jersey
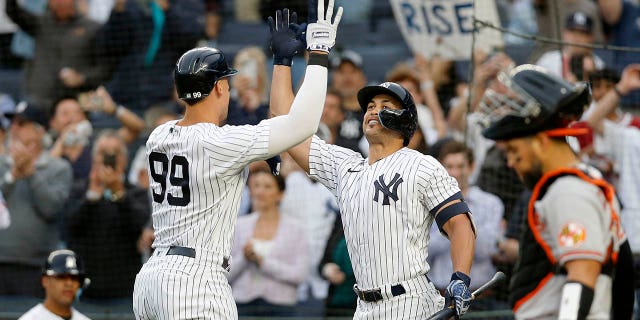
(196, 177)
(39, 312)
(385, 208)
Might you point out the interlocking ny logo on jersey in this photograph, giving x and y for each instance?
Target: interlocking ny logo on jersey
(389, 190)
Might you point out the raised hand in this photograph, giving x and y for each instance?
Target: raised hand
(321, 35)
(630, 79)
(458, 293)
(286, 40)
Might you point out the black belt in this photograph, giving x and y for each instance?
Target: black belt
(191, 253)
(374, 295)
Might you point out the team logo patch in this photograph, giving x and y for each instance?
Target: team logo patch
(572, 234)
(388, 190)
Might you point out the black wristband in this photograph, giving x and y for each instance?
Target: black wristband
(319, 60)
(283, 61)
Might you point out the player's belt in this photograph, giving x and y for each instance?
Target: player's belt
(191, 253)
(374, 295)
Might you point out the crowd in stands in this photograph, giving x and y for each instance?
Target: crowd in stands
(78, 101)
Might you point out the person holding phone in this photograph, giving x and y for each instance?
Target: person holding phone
(106, 226)
(571, 62)
(249, 102)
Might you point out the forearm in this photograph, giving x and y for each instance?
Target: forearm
(57, 150)
(456, 118)
(302, 120)
(462, 240)
(281, 95)
(293, 273)
(578, 291)
(25, 20)
(611, 10)
(431, 98)
(603, 108)
(132, 124)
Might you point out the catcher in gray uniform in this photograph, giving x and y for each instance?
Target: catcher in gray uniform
(574, 256)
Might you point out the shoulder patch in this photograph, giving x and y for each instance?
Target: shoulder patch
(572, 234)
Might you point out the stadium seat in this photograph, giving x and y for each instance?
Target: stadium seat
(379, 61)
(244, 34)
(354, 33)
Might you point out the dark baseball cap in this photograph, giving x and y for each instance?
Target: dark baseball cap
(347, 56)
(604, 74)
(29, 112)
(579, 21)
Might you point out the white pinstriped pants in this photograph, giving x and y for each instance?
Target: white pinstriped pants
(178, 287)
(420, 301)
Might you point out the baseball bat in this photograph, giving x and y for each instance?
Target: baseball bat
(449, 311)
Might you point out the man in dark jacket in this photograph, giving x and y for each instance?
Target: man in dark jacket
(105, 228)
(64, 61)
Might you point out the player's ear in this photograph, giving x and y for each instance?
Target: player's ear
(221, 86)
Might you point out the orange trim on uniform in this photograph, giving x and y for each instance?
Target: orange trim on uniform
(533, 222)
(563, 132)
(534, 292)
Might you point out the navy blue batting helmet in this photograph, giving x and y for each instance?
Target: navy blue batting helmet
(65, 262)
(404, 121)
(197, 71)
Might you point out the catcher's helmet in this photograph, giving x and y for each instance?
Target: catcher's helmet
(533, 101)
(63, 262)
(197, 71)
(404, 121)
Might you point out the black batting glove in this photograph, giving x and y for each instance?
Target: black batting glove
(286, 35)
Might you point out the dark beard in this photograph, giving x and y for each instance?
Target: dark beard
(531, 178)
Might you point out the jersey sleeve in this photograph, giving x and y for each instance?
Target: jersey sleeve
(435, 183)
(324, 162)
(237, 146)
(577, 217)
(616, 139)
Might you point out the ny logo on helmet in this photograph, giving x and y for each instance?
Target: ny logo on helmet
(386, 84)
(70, 263)
(389, 190)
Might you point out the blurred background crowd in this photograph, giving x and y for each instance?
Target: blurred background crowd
(83, 83)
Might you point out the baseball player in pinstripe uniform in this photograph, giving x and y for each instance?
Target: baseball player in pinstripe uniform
(62, 278)
(197, 170)
(388, 202)
(575, 261)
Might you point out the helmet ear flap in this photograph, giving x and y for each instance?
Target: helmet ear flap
(402, 120)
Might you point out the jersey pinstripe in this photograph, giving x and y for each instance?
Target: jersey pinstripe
(385, 208)
(216, 158)
(196, 177)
